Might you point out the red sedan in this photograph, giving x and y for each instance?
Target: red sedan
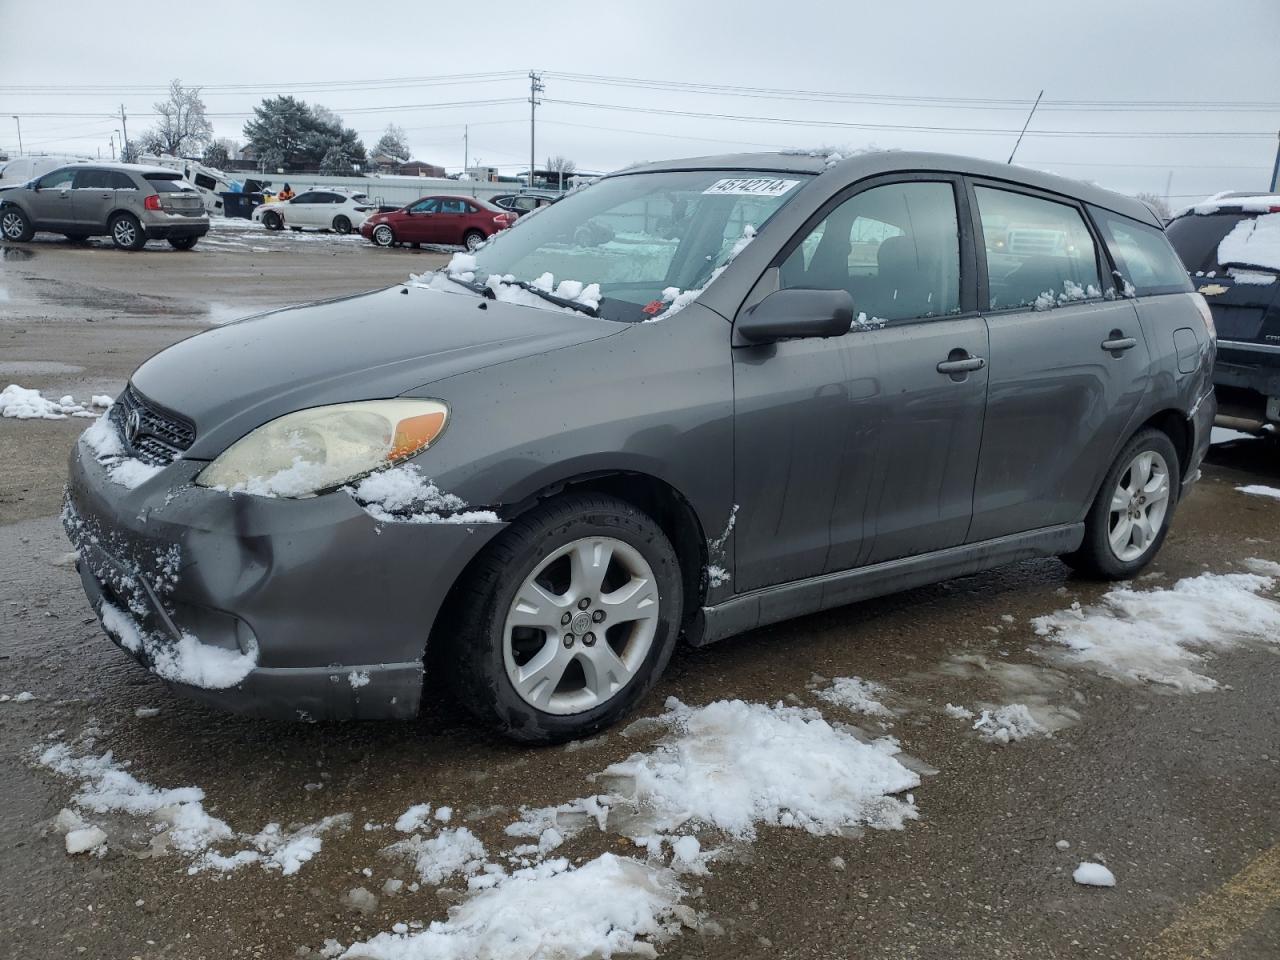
(450, 220)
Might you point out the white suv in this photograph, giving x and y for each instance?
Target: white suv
(317, 210)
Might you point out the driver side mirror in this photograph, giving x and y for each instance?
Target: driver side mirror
(786, 314)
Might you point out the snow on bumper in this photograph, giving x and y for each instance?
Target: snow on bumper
(264, 606)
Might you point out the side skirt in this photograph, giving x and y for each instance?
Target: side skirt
(768, 605)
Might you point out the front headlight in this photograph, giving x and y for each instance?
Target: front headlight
(304, 453)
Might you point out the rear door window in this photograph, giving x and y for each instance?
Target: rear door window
(1142, 254)
(90, 180)
(453, 206)
(1040, 253)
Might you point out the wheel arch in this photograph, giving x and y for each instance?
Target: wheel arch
(1177, 427)
(668, 507)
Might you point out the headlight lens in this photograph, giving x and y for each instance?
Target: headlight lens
(304, 453)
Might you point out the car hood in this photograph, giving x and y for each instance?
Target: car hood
(234, 378)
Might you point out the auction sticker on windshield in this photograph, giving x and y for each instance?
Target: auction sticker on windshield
(752, 186)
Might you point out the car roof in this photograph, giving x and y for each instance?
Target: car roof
(871, 163)
(139, 168)
(1234, 203)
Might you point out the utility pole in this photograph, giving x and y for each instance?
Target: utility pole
(466, 149)
(18, 121)
(1275, 172)
(535, 88)
(1168, 186)
(124, 143)
(113, 146)
(1024, 127)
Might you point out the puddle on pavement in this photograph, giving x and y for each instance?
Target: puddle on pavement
(1041, 689)
(15, 253)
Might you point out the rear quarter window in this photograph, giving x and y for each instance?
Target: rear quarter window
(163, 183)
(1143, 254)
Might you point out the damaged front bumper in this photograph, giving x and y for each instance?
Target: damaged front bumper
(307, 609)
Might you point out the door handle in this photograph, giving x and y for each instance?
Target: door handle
(1118, 344)
(964, 364)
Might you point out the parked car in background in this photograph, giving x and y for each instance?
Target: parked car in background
(522, 203)
(1230, 245)
(316, 210)
(463, 221)
(782, 387)
(130, 203)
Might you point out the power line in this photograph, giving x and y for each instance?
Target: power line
(921, 128)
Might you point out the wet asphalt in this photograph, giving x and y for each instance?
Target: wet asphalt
(1175, 793)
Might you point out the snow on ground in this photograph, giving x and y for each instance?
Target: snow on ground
(1148, 635)
(452, 851)
(177, 816)
(402, 495)
(22, 403)
(551, 910)
(957, 713)
(858, 695)
(726, 768)
(185, 660)
(1009, 723)
(1259, 490)
(1093, 875)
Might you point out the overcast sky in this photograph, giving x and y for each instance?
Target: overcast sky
(908, 63)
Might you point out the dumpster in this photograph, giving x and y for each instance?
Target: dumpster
(239, 204)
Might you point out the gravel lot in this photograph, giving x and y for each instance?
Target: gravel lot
(1174, 792)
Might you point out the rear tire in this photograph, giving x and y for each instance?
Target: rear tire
(341, 224)
(473, 238)
(1131, 514)
(629, 602)
(182, 243)
(16, 226)
(126, 232)
(272, 220)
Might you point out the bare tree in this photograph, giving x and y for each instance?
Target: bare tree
(393, 144)
(561, 167)
(183, 127)
(1156, 203)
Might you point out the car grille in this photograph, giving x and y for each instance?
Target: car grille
(159, 435)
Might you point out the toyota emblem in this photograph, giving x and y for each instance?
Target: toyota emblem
(132, 426)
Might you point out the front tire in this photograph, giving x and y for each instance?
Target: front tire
(16, 226)
(566, 620)
(383, 236)
(473, 239)
(272, 220)
(126, 232)
(1131, 514)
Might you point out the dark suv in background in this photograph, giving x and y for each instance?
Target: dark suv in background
(128, 202)
(1231, 247)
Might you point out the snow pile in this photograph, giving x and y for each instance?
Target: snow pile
(1093, 875)
(104, 442)
(1009, 723)
(858, 695)
(600, 909)
(186, 660)
(1260, 491)
(177, 816)
(454, 850)
(957, 713)
(1253, 242)
(1147, 635)
(275, 848)
(677, 299)
(402, 495)
(732, 765)
(21, 403)
(414, 818)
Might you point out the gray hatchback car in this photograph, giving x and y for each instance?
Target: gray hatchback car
(695, 398)
(129, 203)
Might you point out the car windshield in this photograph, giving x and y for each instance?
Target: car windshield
(631, 247)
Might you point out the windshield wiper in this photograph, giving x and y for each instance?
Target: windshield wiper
(552, 298)
(483, 289)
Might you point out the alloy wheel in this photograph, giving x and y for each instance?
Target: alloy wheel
(1139, 506)
(12, 226)
(124, 233)
(581, 625)
(474, 241)
(383, 236)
